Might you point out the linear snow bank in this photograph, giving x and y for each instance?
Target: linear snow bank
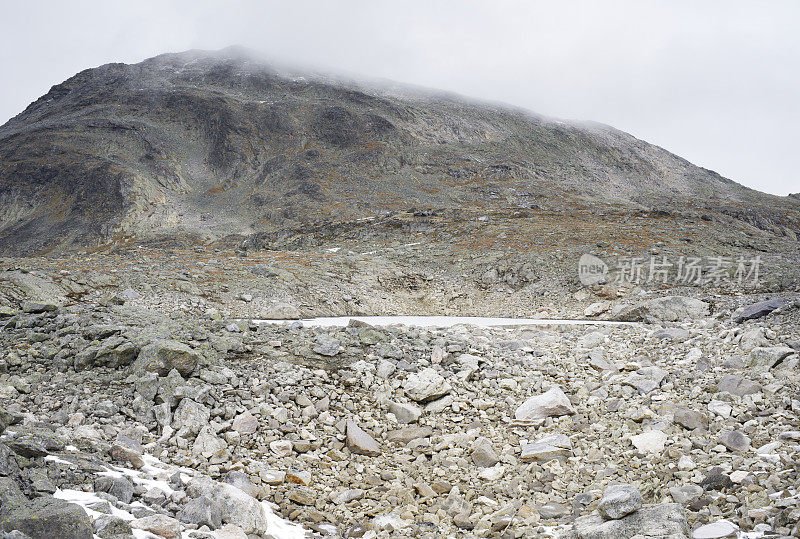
(442, 321)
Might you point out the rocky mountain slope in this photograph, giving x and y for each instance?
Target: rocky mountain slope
(204, 145)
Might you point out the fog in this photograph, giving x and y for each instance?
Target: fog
(716, 82)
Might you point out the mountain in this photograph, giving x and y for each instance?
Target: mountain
(212, 144)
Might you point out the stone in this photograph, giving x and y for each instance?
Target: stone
(649, 442)
(716, 481)
(119, 487)
(164, 355)
(36, 307)
(555, 446)
(47, 517)
(666, 309)
(158, 524)
(690, 419)
(111, 527)
(492, 474)
(737, 385)
(208, 445)
(426, 385)
(201, 511)
(235, 506)
(619, 501)
(242, 481)
(405, 435)
(327, 346)
(34, 442)
(552, 403)
(360, 442)
(282, 448)
(483, 454)
(245, 423)
(128, 451)
(769, 356)
(735, 440)
(405, 413)
(716, 530)
(760, 309)
(553, 510)
(666, 520)
(190, 417)
(302, 495)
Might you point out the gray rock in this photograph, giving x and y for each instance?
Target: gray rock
(426, 385)
(405, 413)
(201, 511)
(666, 520)
(483, 454)
(555, 446)
(327, 346)
(549, 404)
(735, 440)
(245, 423)
(47, 517)
(690, 419)
(359, 441)
(119, 487)
(769, 356)
(111, 527)
(667, 309)
(737, 385)
(619, 501)
(760, 309)
(161, 525)
(164, 355)
(35, 307)
(127, 450)
(190, 417)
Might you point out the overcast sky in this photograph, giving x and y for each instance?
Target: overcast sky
(717, 82)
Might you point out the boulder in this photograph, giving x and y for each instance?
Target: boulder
(619, 501)
(483, 454)
(426, 385)
(666, 309)
(164, 355)
(760, 309)
(555, 446)
(737, 385)
(359, 441)
(47, 517)
(666, 520)
(552, 403)
(769, 356)
(201, 511)
(161, 525)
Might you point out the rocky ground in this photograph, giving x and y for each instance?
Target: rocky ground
(167, 414)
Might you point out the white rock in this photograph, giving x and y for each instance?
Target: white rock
(649, 442)
(549, 404)
(716, 530)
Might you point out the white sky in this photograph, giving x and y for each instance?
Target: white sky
(716, 82)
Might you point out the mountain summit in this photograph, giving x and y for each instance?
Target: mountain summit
(212, 144)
